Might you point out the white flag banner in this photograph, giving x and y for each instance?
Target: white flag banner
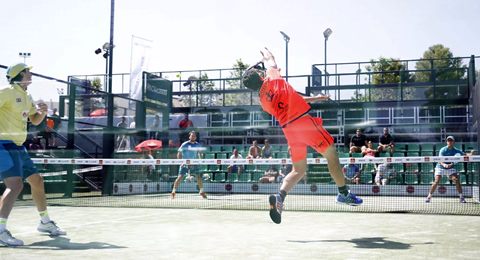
(138, 64)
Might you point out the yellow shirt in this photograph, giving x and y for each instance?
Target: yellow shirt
(16, 105)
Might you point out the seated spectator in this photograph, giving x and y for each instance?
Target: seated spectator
(357, 142)
(385, 173)
(270, 175)
(36, 144)
(284, 171)
(235, 168)
(369, 151)
(267, 150)
(352, 173)
(385, 142)
(254, 152)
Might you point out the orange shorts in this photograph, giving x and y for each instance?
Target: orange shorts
(306, 131)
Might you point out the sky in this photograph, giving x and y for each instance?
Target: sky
(61, 35)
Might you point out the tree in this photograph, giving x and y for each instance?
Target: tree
(197, 86)
(386, 71)
(204, 84)
(234, 82)
(438, 64)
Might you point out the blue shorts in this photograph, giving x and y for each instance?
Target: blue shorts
(192, 169)
(15, 161)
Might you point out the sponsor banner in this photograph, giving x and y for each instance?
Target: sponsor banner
(299, 189)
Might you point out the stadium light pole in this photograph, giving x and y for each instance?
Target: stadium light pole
(287, 39)
(108, 135)
(326, 34)
(25, 55)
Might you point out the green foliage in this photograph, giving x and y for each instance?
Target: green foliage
(96, 83)
(440, 65)
(200, 85)
(386, 71)
(234, 82)
(204, 84)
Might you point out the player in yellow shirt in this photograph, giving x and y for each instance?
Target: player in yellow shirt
(16, 108)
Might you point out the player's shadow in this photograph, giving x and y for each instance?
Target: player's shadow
(64, 243)
(368, 242)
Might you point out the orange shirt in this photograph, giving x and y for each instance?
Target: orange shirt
(279, 99)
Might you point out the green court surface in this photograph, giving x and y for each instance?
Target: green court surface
(171, 233)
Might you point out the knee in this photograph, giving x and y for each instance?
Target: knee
(454, 179)
(35, 180)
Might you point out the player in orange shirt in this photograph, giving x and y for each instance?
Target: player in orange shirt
(279, 98)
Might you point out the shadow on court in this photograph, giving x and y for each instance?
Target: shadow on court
(368, 242)
(65, 243)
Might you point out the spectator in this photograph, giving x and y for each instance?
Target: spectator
(185, 125)
(189, 150)
(358, 142)
(267, 150)
(53, 124)
(385, 142)
(123, 142)
(235, 168)
(352, 173)
(447, 169)
(286, 169)
(270, 175)
(369, 151)
(254, 152)
(35, 144)
(155, 128)
(150, 168)
(385, 173)
(133, 135)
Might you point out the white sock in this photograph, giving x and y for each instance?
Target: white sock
(3, 224)
(201, 190)
(460, 195)
(44, 216)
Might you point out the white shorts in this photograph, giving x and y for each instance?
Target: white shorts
(445, 172)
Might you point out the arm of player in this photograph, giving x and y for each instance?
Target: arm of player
(38, 117)
(316, 98)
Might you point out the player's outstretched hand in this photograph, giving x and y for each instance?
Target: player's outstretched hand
(268, 58)
(42, 107)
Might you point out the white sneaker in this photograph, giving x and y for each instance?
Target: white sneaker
(51, 228)
(7, 239)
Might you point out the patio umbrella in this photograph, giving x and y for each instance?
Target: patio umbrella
(148, 145)
(98, 112)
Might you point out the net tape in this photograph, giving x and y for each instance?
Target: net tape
(355, 160)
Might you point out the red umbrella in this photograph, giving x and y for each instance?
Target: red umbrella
(148, 145)
(99, 112)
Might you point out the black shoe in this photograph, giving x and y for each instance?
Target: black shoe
(276, 207)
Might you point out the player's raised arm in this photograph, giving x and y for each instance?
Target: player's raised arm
(316, 98)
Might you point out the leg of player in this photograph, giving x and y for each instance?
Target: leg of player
(454, 178)
(433, 187)
(177, 182)
(14, 186)
(38, 194)
(200, 186)
(344, 195)
(276, 201)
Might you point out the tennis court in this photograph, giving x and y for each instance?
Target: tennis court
(135, 232)
(205, 234)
